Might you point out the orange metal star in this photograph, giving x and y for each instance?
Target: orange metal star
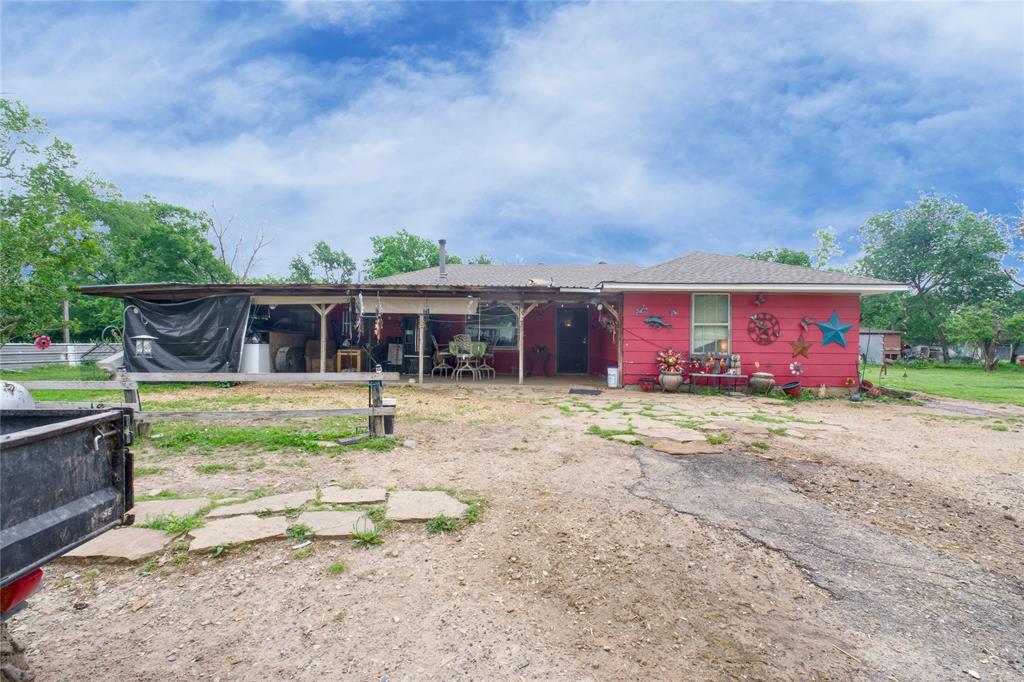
(801, 347)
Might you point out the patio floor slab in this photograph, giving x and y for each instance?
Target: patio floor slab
(333, 494)
(237, 529)
(150, 509)
(333, 524)
(273, 503)
(417, 505)
(125, 544)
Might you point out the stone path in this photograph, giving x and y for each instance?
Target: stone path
(125, 544)
(417, 505)
(151, 509)
(273, 503)
(333, 494)
(237, 529)
(333, 524)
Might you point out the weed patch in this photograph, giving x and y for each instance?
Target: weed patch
(215, 468)
(717, 438)
(442, 524)
(299, 532)
(173, 524)
(337, 568)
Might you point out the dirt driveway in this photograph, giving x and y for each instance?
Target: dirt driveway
(569, 574)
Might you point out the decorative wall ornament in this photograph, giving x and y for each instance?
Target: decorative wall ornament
(763, 328)
(759, 299)
(833, 331)
(806, 323)
(640, 311)
(672, 312)
(801, 347)
(42, 342)
(796, 368)
(655, 322)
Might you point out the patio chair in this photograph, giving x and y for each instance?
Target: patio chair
(440, 358)
(485, 353)
(462, 349)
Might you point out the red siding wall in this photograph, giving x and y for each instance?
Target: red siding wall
(829, 365)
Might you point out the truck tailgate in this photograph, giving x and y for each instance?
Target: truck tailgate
(66, 477)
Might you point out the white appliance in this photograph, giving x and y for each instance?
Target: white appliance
(255, 358)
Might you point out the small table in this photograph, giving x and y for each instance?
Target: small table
(735, 379)
(344, 359)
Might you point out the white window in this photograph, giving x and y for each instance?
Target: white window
(710, 314)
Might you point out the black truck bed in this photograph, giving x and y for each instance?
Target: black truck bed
(65, 477)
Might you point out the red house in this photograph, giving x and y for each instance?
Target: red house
(538, 320)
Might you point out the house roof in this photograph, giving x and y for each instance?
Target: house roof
(578, 276)
(711, 269)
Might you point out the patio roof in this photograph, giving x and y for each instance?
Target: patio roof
(570, 276)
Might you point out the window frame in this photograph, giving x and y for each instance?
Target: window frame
(694, 324)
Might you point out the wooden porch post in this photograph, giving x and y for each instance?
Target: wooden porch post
(621, 325)
(420, 329)
(522, 313)
(323, 311)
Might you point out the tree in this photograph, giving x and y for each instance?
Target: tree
(783, 255)
(237, 260)
(828, 246)
(46, 243)
(1015, 240)
(986, 326)
(324, 265)
(946, 254)
(403, 252)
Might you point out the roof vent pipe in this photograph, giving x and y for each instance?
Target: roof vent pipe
(442, 275)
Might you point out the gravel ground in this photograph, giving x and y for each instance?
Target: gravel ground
(568, 575)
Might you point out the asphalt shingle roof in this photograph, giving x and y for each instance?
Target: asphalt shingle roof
(700, 267)
(583, 276)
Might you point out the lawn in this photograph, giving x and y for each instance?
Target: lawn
(1004, 385)
(87, 371)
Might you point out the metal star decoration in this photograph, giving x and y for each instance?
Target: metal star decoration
(833, 331)
(801, 347)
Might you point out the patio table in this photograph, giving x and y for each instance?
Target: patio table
(736, 380)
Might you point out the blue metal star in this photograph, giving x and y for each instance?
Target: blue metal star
(833, 331)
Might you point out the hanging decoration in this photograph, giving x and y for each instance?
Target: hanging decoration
(672, 312)
(640, 311)
(759, 299)
(42, 342)
(806, 323)
(763, 328)
(796, 368)
(359, 318)
(833, 331)
(378, 324)
(801, 347)
(655, 322)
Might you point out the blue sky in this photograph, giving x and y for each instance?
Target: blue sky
(534, 132)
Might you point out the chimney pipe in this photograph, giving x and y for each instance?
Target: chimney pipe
(442, 275)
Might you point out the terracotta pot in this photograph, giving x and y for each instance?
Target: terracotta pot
(647, 384)
(670, 381)
(792, 389)
(761, 382)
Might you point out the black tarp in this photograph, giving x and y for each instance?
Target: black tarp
(204, 335)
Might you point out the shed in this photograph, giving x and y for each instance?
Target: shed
(877, 345)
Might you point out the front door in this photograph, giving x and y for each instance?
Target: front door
(573, 357)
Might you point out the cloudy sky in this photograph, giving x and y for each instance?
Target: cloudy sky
(538, 132)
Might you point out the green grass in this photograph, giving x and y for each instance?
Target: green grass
(215, 468)
(758, 445)
(367, 538)
(149, 471)
(87, 371)
(172, 524)
(337, 568)
(442, 524)
(304, 552)
(1004, 385)
(717, 438)
(299, 531)
(178, 436)
(596, 430)
(780, 431)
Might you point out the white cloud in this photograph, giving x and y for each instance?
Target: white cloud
(346, 14)
(725, 127)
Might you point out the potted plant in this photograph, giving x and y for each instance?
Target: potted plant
(670, 368)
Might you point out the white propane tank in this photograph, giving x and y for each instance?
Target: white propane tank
(15, 397)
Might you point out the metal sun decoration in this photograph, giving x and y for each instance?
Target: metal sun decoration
(796, 368)
(763, 328)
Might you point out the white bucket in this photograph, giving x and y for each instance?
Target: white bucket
(613, 376)
(255, 358)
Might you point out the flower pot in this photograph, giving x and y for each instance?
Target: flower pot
(792, 389)
(761, 382)
(670, 381)
(647, 384)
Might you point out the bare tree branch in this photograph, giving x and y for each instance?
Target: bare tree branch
(221, 230)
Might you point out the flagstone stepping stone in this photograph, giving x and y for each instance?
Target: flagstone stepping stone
(815, 426)
(671, 447)
(420, 505)
(125, 544)
(669, 432)
(334, 524)
(625, 438)
(747, 428)
(237, 529)
(151, 509)
(273, 503)
(333, 494)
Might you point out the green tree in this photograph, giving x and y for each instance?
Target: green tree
(948, 255)
(828, 246)
(403, 252)
(324, 265)
(46, 243)
(783, 255)
(986, 326)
